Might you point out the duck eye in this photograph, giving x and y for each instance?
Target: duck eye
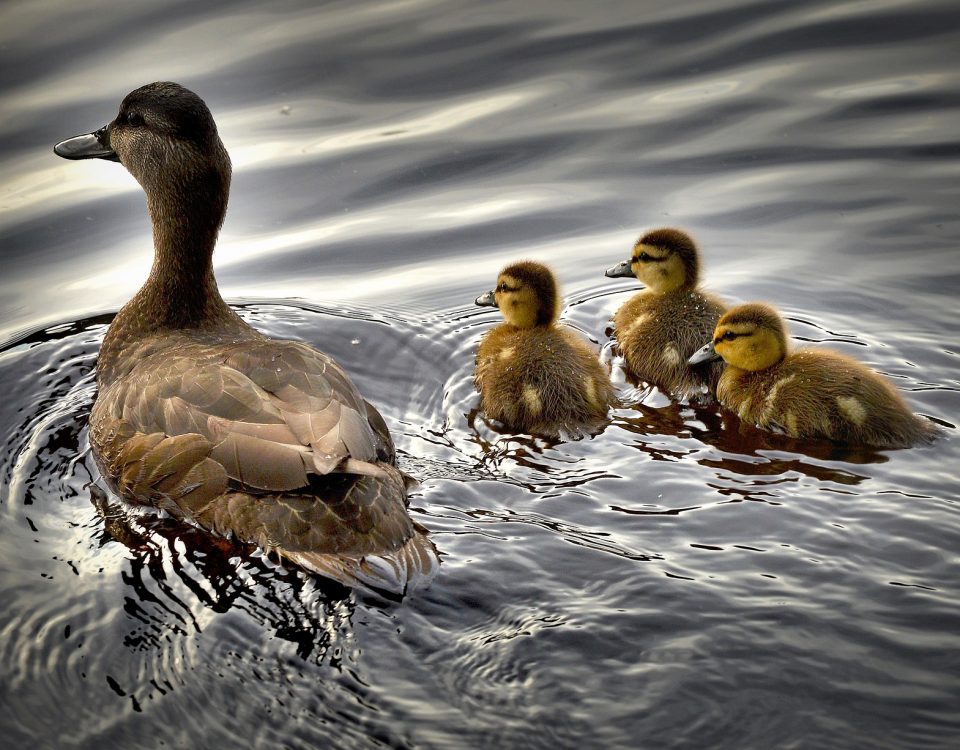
(134, 119)
(729, 336)
(642, 258)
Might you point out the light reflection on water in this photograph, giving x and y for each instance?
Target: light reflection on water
(679, 577)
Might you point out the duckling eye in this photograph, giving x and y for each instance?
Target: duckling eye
(134, 119)
(642, 258)
(729, 336)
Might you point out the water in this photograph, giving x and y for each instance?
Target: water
(677, 580)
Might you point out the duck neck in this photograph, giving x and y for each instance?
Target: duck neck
(181, 291)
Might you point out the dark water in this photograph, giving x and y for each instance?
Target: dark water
(676, 581)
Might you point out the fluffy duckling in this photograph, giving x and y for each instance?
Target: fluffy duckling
(808, 392)
(659, 328)
(199, 414)
(533, 375)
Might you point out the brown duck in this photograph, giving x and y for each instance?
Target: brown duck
(262, 440)
(807, 393)
(659, 328)
(533, 375)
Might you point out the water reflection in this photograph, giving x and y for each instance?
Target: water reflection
(218, 575)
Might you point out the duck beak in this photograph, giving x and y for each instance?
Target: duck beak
(620, 271)
(487, 299)
(706, 353)
(90, 146)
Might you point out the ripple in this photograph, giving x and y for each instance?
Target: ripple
(680, 577)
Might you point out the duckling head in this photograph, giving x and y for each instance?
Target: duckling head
(664, 260)
(526, 293)
(167, 139)
(749, 337)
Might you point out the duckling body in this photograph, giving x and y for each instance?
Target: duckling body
(199, 414)
(533, 375)
(660, 327)
(807, 393)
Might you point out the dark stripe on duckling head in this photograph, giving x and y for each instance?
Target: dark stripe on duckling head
(679, 243)
(755, 314)
(540, 280)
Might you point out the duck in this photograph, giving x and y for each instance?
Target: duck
(264, 441)
(659, 328)
(807, 393)
(535, 376)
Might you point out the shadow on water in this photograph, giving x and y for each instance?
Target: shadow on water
(220, 574)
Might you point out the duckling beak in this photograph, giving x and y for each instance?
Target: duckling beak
(487, 299)
(706, 353)
(90, 146)
(620, 271)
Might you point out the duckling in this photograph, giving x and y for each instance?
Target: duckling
(263, 440)
(533, 375)
(660, 327)
(808, 392)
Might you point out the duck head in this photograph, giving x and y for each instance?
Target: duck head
(664, 260)
(166, 138)
(526, 293)
(749, 337)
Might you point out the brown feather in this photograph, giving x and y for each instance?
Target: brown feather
(543, 379)
(648, 323)
(809, 393)
(659, 328)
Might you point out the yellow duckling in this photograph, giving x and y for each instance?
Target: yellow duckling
(659, 328)
(533, 375)
(806, 393)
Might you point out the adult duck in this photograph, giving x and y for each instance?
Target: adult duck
(199, 414)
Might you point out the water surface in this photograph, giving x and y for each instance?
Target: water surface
(679, 580)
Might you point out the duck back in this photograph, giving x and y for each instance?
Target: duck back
(659, 332)
(824, 394)
(542, 380)
(265, 441)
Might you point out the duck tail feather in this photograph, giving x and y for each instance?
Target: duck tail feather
(394, 574)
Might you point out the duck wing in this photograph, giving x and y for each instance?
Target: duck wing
(352, 528)
(275, 412)
(268, 442)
